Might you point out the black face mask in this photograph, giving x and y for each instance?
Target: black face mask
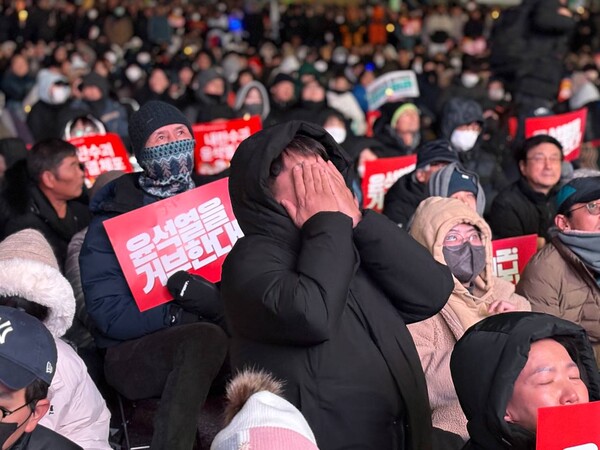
(6, 431)
(465, 261)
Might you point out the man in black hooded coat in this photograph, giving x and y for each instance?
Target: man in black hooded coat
(489, 357)
(324, 306)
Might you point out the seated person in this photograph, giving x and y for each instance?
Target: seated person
(454, 181)
(507, 366)
(28, 354)
(458, 237)
(30, 280)
(404, 196)
(562, 278)
(528, 205)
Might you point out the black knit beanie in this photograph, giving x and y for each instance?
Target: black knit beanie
(150, 117)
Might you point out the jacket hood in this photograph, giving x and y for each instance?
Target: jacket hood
(243, 93)
(440, 181)
(202, 80)
(487, 360)
(254, 206)
(435, 217)
(459, 111)
(45, 79)
(28, 269)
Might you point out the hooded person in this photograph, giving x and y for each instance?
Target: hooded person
(439, 224)
(30, 279)
(320, 297)
(456, 182)
(252, 99)
(165, 351)
(402, 199)
(497, 349)
(50, 113)
(461, 123)
(211, 91)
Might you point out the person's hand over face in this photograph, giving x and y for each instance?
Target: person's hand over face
(313, 193)
(346, 202)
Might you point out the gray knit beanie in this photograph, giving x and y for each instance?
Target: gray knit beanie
(150, 117)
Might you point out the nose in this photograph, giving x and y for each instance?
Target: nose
(569, 395)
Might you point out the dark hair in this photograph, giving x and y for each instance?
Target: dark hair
(40, 312)
(534, 141)
(35, 391)
(47, 155)
(300, 145)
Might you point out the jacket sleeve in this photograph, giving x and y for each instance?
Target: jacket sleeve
(504, 219)
(417, 285)
(395, 207)
(273, 294)
(546, 18)
(538, 285)
(108, 299)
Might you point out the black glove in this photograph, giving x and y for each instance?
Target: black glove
(196, 295)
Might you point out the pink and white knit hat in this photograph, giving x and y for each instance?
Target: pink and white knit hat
(266, 421)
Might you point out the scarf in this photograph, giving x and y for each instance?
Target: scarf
(167, 168)
(586, 245)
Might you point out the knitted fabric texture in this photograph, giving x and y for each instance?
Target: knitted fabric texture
(150, 117)
(167, 168)
(28, 244)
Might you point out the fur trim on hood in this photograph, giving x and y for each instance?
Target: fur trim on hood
(41, 284)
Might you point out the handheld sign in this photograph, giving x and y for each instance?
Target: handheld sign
(570, 427)
(101, 153)
(391, 87)
(568, 129)
(380, 175)
(217, 142)
(511, 255)
(193, 231)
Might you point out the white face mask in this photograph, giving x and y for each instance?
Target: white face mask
(464, 140)
(338, 133)
(496, 94)
(60, 94)
(133, 73)
(469, 79)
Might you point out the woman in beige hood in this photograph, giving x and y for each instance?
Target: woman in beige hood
(445, 227)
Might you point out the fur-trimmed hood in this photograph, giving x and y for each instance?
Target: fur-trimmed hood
(28, 269)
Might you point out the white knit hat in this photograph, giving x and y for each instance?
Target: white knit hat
(28, 269)
(266, 421)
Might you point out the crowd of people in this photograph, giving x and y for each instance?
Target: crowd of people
(333, 326)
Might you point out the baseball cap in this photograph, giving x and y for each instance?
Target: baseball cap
(27, 349)
(439, 150)
(578, 190)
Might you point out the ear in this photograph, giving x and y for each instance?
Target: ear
(562, 222)
(47, 179)
(508, 418)
(41, 408)
(522, 165)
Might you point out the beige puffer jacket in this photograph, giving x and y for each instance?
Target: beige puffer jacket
(436, 336)
(557, 282)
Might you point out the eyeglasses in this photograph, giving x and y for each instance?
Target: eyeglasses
(541, 159)
(5, 412)
(592, 207)
(454, 238)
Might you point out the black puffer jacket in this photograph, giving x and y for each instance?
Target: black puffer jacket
(324, 307)
(487, 360)
(402, 199)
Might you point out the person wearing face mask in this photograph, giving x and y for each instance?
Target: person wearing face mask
(563, 278)
(458, 237)
(166, 351)
(252, 100)
(466, 84)
(29, 357)
(50, 113)
(211, 90)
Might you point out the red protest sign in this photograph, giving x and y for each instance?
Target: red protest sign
(217, 142)
(511, 255)
(193, 231)
(101, 153)
(380, 175)
(570, 427)
(567, 128)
